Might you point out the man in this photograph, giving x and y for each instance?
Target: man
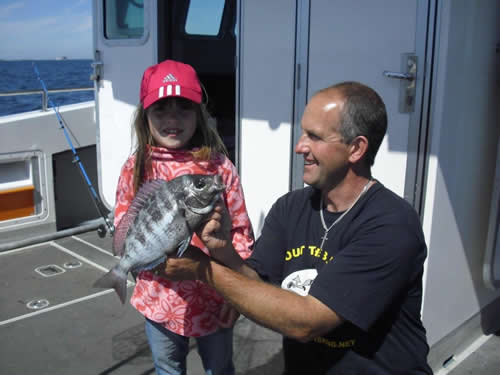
(346, 252)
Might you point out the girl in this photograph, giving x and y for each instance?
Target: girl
(173, 139)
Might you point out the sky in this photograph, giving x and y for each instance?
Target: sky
(45, 29)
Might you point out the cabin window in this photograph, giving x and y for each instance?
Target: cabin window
(14, 173)
(123, 19)
(204, 17)
(18, 188)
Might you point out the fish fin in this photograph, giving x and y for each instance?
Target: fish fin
(121, 233)
(145, 191)
(183, 246)
(154, 263)
(115, 279)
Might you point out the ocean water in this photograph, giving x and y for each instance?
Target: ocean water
(56, 74)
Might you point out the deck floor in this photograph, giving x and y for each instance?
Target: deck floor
(88, 331)
(483, 361)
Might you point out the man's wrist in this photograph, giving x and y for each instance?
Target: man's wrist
(228, 257)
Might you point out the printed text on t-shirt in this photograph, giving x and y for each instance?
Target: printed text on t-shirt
(310, 250)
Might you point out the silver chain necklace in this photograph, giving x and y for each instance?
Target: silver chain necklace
(327, 229)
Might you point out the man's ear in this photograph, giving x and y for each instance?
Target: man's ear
(358, 148)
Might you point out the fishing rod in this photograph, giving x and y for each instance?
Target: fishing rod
(76, 160)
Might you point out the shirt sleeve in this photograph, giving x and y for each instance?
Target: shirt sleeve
(242, 232)
(373, 271)
(124, 191)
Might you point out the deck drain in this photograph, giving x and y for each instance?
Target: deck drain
(50, 270)
(37, 304)
(72, 264)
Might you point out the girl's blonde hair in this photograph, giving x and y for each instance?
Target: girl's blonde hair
(205, 139)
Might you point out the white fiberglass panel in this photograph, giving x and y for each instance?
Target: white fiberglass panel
(114, 142)
(387, 162)
(121, 56)
(266, 159)
(266, 89)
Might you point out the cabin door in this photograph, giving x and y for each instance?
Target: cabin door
(381, 44)
(124, 44)
(202, 33)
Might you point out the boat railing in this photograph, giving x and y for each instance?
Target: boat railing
(45, 99)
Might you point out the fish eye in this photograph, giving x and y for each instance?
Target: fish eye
(200, 183)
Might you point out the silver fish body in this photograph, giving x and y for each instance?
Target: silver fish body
(160, 222)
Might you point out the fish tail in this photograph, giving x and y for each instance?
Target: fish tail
(115, 279)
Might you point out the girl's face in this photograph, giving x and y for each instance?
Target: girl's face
(172, 122)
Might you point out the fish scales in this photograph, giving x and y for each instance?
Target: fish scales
(156, 240)
(160, 222)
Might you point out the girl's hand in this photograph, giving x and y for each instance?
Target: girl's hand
(227, 316)
(159, 270)
(191, 266)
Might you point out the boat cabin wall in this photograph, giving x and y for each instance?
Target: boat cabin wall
(464, 134)
(459, 148)
(31, 145)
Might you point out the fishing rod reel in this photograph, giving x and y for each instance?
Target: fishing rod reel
(107, 227)
(102, 230)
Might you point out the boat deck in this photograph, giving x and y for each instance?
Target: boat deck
(84, 330)
(52, 321)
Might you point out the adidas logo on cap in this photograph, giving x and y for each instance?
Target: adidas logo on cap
(169, 78)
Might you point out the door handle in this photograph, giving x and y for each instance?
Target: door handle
(407, 85)
(397, 75)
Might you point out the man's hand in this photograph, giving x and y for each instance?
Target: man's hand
(216, 233)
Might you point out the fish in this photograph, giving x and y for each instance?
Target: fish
(160, 222)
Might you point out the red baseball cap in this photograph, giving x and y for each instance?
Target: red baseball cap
(169, 78)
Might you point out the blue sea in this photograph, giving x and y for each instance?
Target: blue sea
(56, 74)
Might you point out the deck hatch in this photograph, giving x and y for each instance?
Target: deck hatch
(50, 270)
(37, 304)
(72, 264)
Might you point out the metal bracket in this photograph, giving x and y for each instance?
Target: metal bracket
(407, 85)
(97, 65)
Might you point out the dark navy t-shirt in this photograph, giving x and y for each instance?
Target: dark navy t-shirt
(369, 272)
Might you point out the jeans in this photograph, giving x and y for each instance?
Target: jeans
(170, 350)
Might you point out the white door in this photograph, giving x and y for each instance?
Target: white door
(125, 44)
(358, 41)
(266, 79)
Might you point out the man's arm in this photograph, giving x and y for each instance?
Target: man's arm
(299, 317)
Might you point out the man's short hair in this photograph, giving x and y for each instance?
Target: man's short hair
(363, 113)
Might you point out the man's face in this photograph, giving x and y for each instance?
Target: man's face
(326, 157)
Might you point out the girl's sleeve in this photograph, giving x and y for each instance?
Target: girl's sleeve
(243, 237)
(124, 191)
